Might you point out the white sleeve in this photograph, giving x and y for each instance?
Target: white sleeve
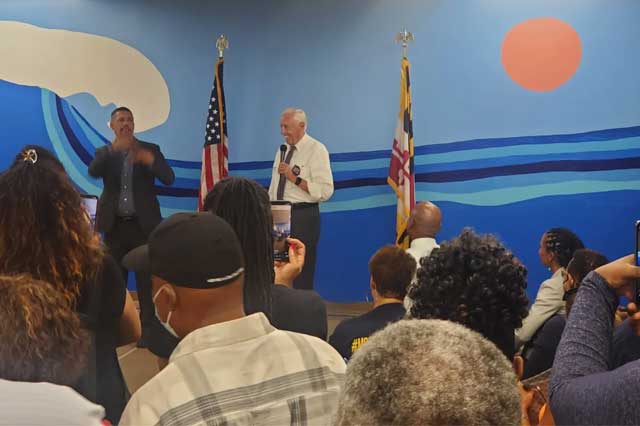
(320, 183)
(548, 302)
(275, 178)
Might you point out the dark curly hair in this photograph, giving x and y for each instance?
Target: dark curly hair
(245, 205)
(562, 243)
(42, 336)
(392, 270)
(475, 281)
(44, 229)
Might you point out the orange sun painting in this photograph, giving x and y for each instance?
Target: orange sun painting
(541, 54)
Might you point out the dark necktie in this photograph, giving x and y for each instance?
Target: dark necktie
(283, 178)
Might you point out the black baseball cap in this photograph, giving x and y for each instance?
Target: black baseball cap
(194, 250)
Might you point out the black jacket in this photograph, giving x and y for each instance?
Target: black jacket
(107, 165)
(302, 311)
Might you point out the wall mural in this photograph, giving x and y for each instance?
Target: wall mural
(517, 186)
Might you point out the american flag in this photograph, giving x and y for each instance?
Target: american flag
(401, 170)
(215, 154)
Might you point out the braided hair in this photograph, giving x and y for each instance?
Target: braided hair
(245, 205)
(562, 243)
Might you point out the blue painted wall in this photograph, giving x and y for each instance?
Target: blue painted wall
(338, 61)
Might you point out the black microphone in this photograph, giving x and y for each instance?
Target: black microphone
(283, 151)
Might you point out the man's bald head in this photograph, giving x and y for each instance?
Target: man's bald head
(425, 221)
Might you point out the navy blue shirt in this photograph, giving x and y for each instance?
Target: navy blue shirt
(350, 334)
(125, 202)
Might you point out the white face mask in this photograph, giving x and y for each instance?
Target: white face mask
(166, 325)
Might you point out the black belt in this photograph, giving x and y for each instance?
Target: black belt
(127, 218)
(304, 205)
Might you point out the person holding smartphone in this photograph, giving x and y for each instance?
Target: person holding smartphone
(583, 390)
(245, 205)
(302, 175)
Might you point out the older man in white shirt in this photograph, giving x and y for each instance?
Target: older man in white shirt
(304, 179)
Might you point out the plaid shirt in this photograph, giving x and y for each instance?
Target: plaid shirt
(242, 372)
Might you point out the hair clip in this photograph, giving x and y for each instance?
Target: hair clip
(30, 155)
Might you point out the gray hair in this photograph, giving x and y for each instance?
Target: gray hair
(429, 372)
(299, 115)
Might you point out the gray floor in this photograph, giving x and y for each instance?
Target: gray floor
(139, 365)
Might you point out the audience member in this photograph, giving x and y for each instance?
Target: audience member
(246, 207)
(582, 262)
(41, 340)
(228, 368)
(391, 270)
(557, 246)
(423, 225)
(540, 351)
(429, 372)
(45, 232)
(583, 389)
(475, 281)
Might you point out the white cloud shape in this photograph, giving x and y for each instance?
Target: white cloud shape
(68, 63)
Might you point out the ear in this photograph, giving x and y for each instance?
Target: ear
(518, 366)
(167, 299)
(372, 286)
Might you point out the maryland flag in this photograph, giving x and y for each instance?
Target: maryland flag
(401, 170)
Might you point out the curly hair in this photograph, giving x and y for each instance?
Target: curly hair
(44, 229)
(245, 205)
(42, 336)
(428, 372)
(562, 243)
(475, 281)
(392, 270)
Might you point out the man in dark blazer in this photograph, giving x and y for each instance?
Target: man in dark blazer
(128, 209)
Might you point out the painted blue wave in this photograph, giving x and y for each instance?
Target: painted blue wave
(481, 172)
(514, 187)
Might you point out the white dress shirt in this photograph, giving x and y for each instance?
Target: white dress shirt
(421, 247)
(312, 158)
(242, 372)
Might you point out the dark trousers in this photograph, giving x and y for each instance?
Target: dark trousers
(305, 226)
(126, 235)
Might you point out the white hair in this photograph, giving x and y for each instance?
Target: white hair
(428, 372)
(298, 115)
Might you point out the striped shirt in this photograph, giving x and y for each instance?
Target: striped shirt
(242, 372)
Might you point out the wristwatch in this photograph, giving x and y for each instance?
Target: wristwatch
(298, 181)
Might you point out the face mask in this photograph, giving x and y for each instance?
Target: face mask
(166, 325)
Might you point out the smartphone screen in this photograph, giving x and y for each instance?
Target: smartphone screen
(636, 293)
(90, 204)
(281, 211)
